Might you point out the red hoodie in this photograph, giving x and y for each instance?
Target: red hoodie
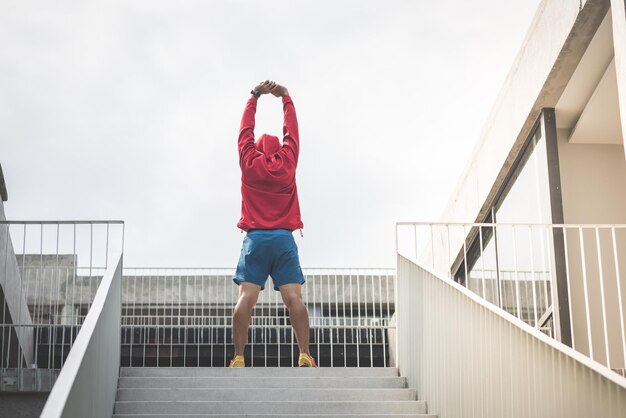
(268, 173)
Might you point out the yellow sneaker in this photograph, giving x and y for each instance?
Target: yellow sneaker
(306, 360)
(237, 361)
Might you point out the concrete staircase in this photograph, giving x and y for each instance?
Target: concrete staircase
(265, 392)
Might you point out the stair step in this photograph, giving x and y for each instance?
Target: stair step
(261, 382)
(270, 407)
(265, 394)
(258, 372)
(274, 415)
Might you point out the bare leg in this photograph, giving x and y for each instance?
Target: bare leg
(248, 295)
(292, 296)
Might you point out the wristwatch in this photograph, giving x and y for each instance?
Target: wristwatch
(255, 93)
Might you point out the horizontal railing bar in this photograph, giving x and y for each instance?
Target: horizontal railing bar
(272, 306)
(38, 325)
(323, 326)
(54, 268)
(13, 222)
(380, 326)
(386, 269)
(483, 224)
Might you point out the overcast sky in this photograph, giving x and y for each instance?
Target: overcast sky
(130, 110)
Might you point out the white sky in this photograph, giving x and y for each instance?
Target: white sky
(130, 110)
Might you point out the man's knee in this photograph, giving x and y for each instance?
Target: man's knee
(248, 295)
(247, 301)
(292, 297)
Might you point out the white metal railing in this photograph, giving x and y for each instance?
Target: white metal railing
(49, 273)
(87, 384)
(469, 358)
(519, 267)
(182, 316)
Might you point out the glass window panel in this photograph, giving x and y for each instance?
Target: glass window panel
(483, 278)
(524, 260)
(527, 195)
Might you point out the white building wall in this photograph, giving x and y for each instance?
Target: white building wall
(618, 15)
(593, 179)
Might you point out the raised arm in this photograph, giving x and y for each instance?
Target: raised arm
(246, 129)
(291, 137)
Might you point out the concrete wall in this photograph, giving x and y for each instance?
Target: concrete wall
(22, 404)
(593, 179)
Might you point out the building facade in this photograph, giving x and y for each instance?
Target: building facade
(552, 153)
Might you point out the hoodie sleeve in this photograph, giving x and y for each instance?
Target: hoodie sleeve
(291, 138)
(246, 132)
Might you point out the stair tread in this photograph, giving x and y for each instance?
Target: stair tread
(261, 382)
(281, 401)
(275, 415)
(270, 407)
(257, 371)
(260, 394)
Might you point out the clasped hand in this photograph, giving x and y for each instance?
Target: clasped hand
(268, 86)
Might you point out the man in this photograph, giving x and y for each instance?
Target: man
(270, 212)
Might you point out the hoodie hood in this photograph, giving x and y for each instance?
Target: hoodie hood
(267, 144)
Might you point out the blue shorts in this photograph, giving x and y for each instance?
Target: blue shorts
(269, 252)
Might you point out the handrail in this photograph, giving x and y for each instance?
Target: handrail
(467, 357)
(64, 222)
(87, 383)
(566, 277)
(490, 224)
(49, 273)
(311, 270)
(576, 355)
